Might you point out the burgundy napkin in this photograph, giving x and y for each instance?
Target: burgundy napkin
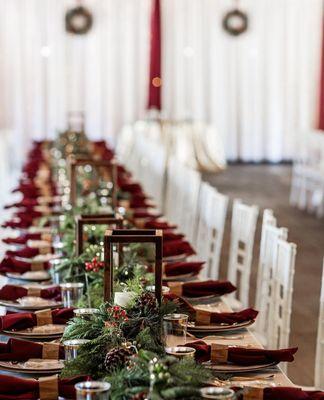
(22, 239)
(243, 355)
(177, 247)
(25, 202)
(19, 321)
(145, 214)
(205, 288)
(23, 350)
(171, 236)
(180, 268)
(130, 187)
(10, 264)
(139, 203)
(28, 213)
(289, 393)
(230, 318)
(138, 197)
(12, 293)
(17, 224)
(26, 252)
(14, 388)
(215, 317)
(154, 224)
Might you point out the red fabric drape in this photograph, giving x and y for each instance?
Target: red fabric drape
(154, 100)
(321, 100)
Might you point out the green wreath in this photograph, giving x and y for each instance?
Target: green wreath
(235, 22)
(78, 20)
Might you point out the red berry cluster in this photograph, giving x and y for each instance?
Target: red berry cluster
(118, 313)
(94, 265)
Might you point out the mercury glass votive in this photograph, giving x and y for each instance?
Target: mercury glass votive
(71, 293)
(217, 393)
(175, 329)
(165, 289)
(71, 348)
(85, 313)
(181, 351)
(92, 390)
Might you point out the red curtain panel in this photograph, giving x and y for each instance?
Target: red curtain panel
(154, 100)
(321, 100)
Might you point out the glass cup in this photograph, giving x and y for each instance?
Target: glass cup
(56, 275)
(71, 348)
(175, 329)
(71, 293)
(92, 390)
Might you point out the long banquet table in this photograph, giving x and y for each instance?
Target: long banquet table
(244, 337)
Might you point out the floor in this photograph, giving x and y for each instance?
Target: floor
(268, 187)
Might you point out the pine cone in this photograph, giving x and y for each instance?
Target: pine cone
(146, 303)
(116, 358)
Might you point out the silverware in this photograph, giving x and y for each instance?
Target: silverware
(216, 337)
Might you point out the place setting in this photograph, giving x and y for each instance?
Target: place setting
(30, 297)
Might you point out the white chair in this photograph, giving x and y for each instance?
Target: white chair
(266, 273)
(151, 168)
(307, 183)
(244, 220)
(188, 195)
(173, 202)
(319, 360)
(281, 305)
(212, 215)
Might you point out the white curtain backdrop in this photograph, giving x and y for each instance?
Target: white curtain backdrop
(45, 72)
(260, 90)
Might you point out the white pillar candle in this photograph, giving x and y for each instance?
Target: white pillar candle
(123, 299)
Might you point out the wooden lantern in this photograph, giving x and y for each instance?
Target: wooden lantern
(111, 220)
(127, 236)
(110, 168)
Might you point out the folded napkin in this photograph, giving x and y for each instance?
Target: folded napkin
(12, 292)
(282, 393)
(155, 224)
(25, 202)
(139, 203)
(180, 268)
(138, 197)
(145, 214)
(30, 214)
(14, 388)
(130, 187)
(19, 321)
(28, 203)
(29, 252)
(240, 355)
(177, 247)
(10, 264)
(230, 318)
(171, 236)
(17, 224)
(22, 239)
(23, 350)
(200, 289)
(208, 317)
